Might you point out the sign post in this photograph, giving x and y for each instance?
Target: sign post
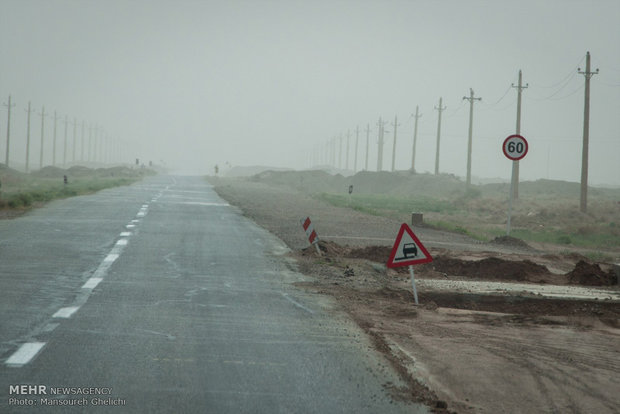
(515, 147)
(408, 250)
(313, 238)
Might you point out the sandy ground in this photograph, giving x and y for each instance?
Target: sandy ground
(499, 329)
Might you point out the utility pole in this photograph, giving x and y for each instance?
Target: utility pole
(471, 100)
(8, 131)
(82, 146)
(95, 136)
(415, 137)
(367, 145)
(380, 144)
(64, 153)
(583, 205)
(42, 134)
(394, 146)
(439, 109)
(90, 141)
(348, 139)
(28, 137)
(357, 137)
(54, 145)
(74, 137)
(515, 164)
(340, 151)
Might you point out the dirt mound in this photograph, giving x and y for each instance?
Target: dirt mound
(591, 275)
(490, 268)
(50, 172)
(511, 242)
(79, 171)
(329, 249)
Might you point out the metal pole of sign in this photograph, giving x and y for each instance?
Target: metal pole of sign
(317, 248)
(510, 203)
(415, 292)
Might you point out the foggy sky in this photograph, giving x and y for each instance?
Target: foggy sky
(199, 83)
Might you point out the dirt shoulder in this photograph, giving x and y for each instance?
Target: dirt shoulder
(501, 327)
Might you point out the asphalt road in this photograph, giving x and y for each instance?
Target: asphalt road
(162, 298)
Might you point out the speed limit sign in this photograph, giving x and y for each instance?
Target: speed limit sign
(515, 147)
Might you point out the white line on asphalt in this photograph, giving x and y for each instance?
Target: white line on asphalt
(135, 221)
(92, 283)
(25, 353)
(299, 305)
(65, 312)
(141, 214)
(122, 242)
(111, 258)
(125, 234)
(131, 226)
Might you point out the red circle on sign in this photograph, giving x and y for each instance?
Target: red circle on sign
(515, 155)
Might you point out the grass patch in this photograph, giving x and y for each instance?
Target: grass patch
(43, 190)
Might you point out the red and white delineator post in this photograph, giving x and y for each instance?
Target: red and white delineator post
(313, 238)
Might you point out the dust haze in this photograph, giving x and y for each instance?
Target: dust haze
(194, 84)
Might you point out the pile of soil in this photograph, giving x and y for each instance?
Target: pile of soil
(511, 242)
(591, 275)
(490, 268)
(379, 254)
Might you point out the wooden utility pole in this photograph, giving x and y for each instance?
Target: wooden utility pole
(439, 109)
(42, 134)
(90, 141)
(340, 151)
(64, 153)
(583, 205)
(28, 137)
(357, 138)
(54, 142)
(8, 132)
(74, 137)
(471, 100)
(415, 137)
(380, 145)
(367, 145)
(82, 145)
(394, 146)
(515, 164)
(347, 157)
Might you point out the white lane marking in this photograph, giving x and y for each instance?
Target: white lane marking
(299, 305)
(141, 214)
(131, 226)
(25, 354)
(145, 206)
(135, 221)
(65, 312)
(122, 242)
(92, 283)
(125, 234)
(111, 258)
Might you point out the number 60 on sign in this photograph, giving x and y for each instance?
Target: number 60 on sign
(515, 147)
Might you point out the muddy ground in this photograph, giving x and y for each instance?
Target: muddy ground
(502, 327)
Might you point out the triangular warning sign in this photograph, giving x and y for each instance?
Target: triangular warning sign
(408, 250)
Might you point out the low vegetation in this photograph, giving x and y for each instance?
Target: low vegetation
(19, 191)
(546, 210)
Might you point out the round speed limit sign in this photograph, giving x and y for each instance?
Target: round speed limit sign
(515, 147)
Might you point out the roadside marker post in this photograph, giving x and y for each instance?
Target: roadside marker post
(313, 238)
(408, 250)
(515, 147)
